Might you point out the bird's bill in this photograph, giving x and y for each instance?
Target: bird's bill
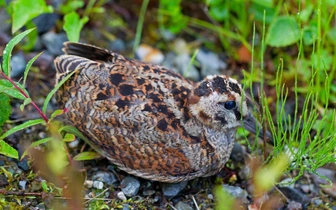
(253, 126)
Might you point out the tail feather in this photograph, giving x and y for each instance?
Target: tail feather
(90, 52)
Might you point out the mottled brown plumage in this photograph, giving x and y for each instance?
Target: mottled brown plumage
(148, 120)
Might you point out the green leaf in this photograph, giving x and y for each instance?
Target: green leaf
(53, 91)
(8, 88)
(69, 137)
(70, 6)
(8, 150)
(265, 3)
(22, 126)
(5, 109)
(7, 53)
(73, 25)
(24, 10)
(25, 102)
(56, 113)
(283, 32)
(86, 156)
(29, 64)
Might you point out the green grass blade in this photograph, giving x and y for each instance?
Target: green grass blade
(140, 24)
(7, 53)
(8, 150)
(29, 64)
(53, 91)
(22, 126)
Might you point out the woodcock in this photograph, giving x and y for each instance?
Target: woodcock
(147, 119)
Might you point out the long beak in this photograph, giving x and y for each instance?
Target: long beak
(252, 125)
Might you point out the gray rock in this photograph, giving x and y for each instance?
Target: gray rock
(236, 192)
(105, 176)
(40, 206)
(88, 183)
(98, 185)
(130, 186)
(183, 206)
(23, 164)
(45, 22)
(318, 202)
(182, 63)
(121, 196)
(5, 25)
(54, 42)
(170, 190)
(117, 45)
(22, 184)
(292, 205)
(294, 194)
(211, 64)
(18, 63)
(126, 207)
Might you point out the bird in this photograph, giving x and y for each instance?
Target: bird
(148, 120)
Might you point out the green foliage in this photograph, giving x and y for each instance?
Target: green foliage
(176, 21)
(283, 32)
(24, 10)
(5, 109)
(73, 25)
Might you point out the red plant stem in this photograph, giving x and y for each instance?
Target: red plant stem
(26, 96)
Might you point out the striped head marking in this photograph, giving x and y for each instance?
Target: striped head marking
(217, 102)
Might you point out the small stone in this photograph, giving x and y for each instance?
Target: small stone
(306, 188)
(236, 192)
(105, 176)
(54, 42)
(148, 192)
(126, 207)
(182, 63)
(183, 206)
(98, 185)
(170, 190)
(293, 194)
(237, 154)
(2, 163)
(121, 196)
(23, 164)
(18, 62)
(117, 45)
(318, 202)
(45, 22)
(149, 54)
(293, 205)
(22, 184)
(211, 64)
(73, 144)
(88, 184)
(210, 196)
(3, 181)
(130, 186)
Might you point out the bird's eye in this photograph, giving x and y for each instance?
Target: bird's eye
(228, 104)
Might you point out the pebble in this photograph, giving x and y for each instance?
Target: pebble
(105, 176)
(98, 185)
(210, 196)
(18, 63)
(5, 25)
(121, 196)
(170, 190)
(41, 206)
(183, 206)
(2, 163)
(292, 205)
(54, 42)
(293, 194)
(182, 63)
(23, 164)
(306, 188)
(130, 186)
(149, 54)
(3, 181)
(118, 45)
(236, 192)
(126, 207)
(73, 144)
(45, 22)
(210, 62)
(22, 184)
(317, 202)
(237, 154)
(88, 183)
